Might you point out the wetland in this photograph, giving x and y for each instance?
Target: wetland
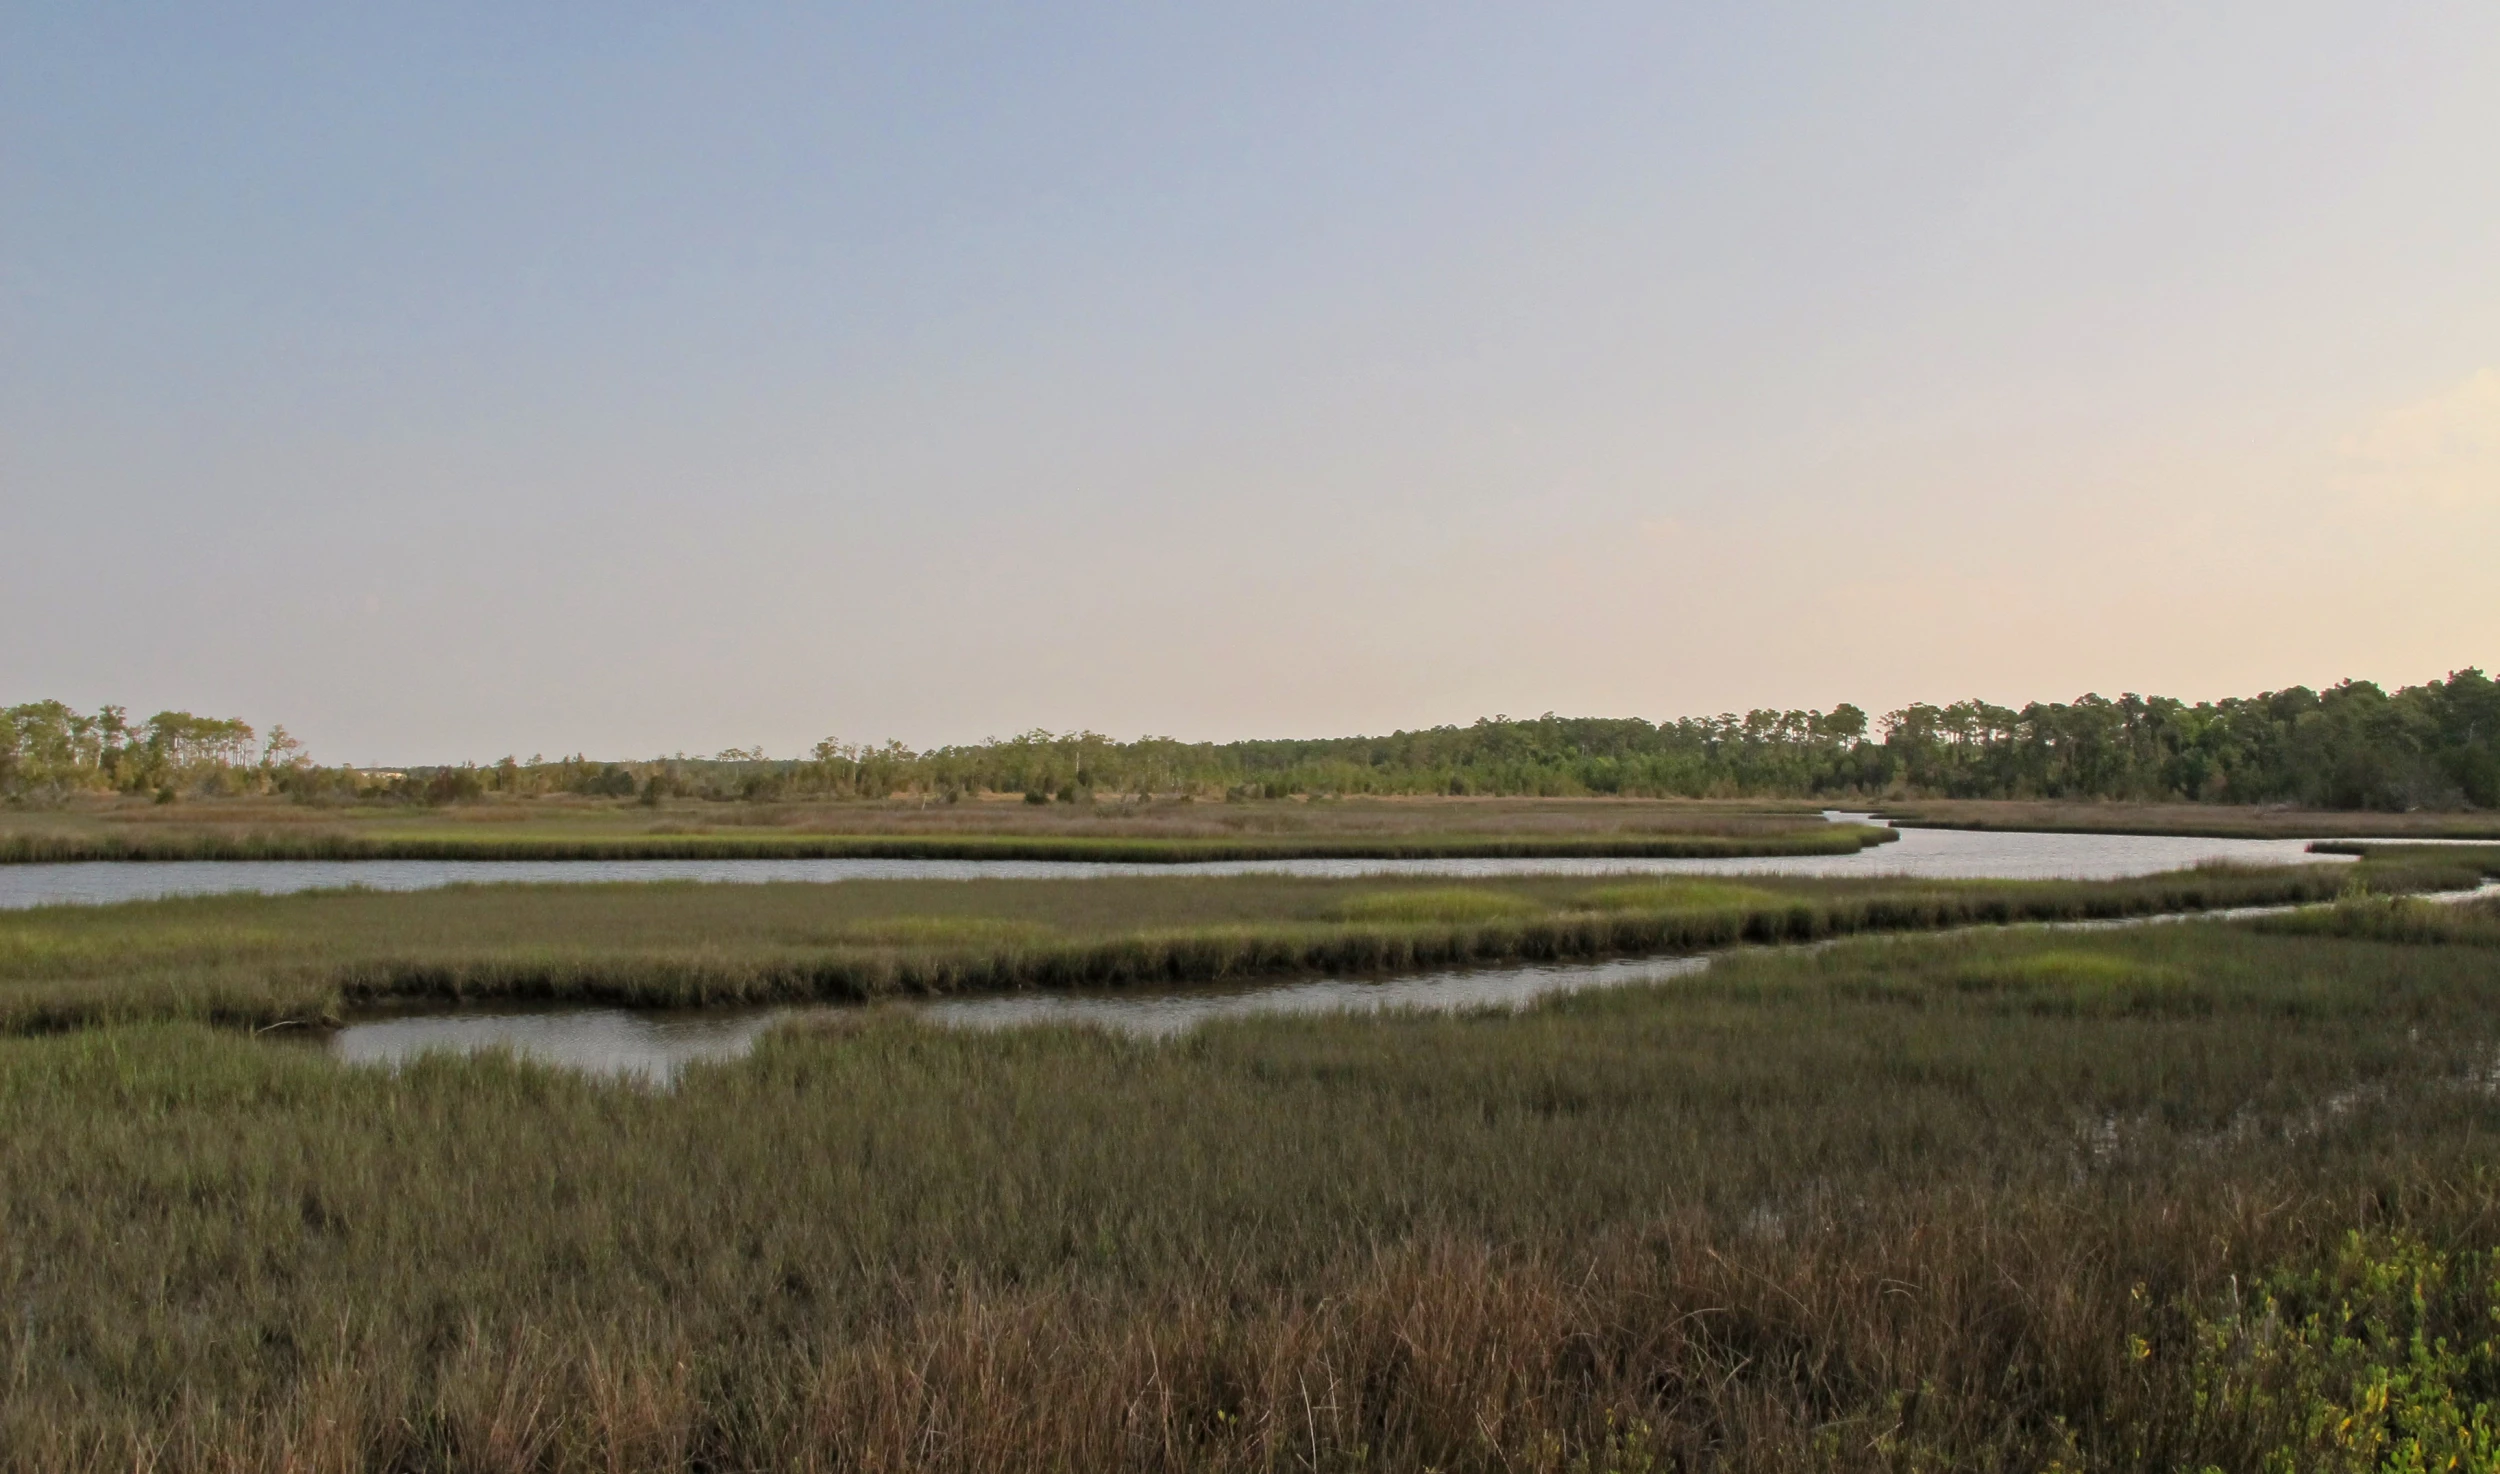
(1487, 1156)
(2136, 1198)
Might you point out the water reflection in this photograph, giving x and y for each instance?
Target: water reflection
(654, 1047)
(1163, 1015)
(619, 1042)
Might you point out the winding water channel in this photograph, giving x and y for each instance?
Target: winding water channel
(654, 1046)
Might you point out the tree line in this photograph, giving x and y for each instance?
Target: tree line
(2350, 746)
(48, 747)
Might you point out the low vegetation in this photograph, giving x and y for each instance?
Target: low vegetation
(2216, 1195)
(1110, 832)
(265, 960)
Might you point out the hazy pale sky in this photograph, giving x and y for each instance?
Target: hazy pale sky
(451, 380)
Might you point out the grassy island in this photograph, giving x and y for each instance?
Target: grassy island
(1145, 832)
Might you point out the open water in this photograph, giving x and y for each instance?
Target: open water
(1935, 853)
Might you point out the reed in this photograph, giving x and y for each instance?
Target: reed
(2155, 1198)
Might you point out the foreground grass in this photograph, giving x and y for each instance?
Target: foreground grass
(258, 960)
(1136, 832)
(2159, 1198)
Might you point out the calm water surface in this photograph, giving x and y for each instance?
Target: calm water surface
(654, 1046)
(1933, 853)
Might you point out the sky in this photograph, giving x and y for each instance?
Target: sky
(457, 380)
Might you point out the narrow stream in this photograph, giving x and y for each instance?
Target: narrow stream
(653, 1046)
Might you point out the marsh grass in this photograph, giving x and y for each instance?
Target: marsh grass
(1443, 904)
(2079, 982)
(1835, 839)
(2398, 919)
(2227, 821)
(1135, 833)
(940, 932)
(257, 961)
(1835, 1208)
(1679, 895)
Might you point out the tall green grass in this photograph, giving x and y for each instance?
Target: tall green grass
(1998, 1200)
(1675, 893)
(2398, 919)
(1441, 905)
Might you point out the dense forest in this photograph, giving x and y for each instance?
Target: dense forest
(2350, 746)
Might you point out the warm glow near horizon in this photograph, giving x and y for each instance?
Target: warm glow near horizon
(464, 381)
